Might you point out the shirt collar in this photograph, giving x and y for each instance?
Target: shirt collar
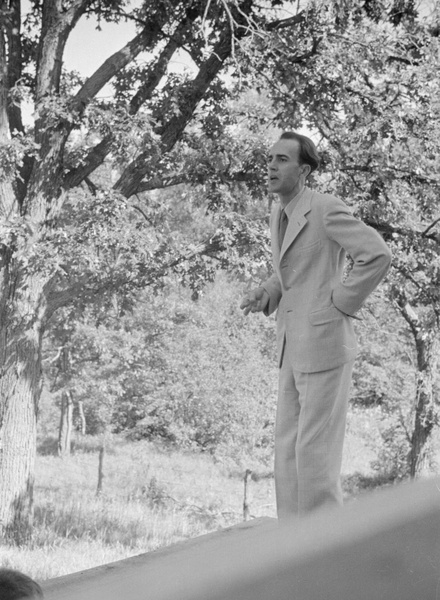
(294, 202)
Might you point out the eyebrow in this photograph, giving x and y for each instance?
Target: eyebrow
(278, 156)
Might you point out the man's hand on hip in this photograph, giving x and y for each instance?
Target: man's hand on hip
(255, 301)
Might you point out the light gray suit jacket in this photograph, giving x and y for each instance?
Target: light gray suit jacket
(315, 302)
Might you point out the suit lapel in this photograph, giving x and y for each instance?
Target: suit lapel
(297, 221)
(274, 228)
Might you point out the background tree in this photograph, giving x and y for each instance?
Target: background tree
(82, 220)
(371, 94)
(195, 374)
(64, 234)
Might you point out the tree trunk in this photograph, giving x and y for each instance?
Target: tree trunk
(66, 418)
(424, 417)
(17, 452)
(82, 417)
(20, 387)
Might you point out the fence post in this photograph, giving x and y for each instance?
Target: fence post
(100, 468)
(246, 510)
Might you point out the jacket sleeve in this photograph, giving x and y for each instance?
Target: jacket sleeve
(273, 288)
(371, 256)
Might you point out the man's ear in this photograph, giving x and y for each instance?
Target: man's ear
(306, 170)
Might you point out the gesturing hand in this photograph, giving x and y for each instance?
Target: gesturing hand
(255, 301)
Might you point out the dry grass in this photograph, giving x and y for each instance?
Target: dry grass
(152, 497)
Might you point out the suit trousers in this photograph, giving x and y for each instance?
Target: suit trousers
(309, 437)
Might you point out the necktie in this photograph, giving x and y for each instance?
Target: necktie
(282, 226)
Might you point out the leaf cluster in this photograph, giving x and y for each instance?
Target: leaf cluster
(173, 368)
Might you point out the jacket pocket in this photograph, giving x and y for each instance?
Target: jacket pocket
(309, 248)
(325, 315)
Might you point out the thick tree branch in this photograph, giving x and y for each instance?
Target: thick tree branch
(56, 27)
(98, 153)
(84, 287)
(14, 63)
(418, 286)
(389, 229)
(115, 63)
(407, 313)
(157, 71)
(8, 204)
(430, 298)
(45, 175)
(4, 89)
(15, 59)
(433, 224)
(130, 180)
(170, 132)
(285, 23)
(403, 173)
(64, 296)
(54, 141)
(158, 183)
(94, 158)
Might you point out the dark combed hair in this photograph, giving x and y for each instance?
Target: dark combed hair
(18, 586)
(308, 154)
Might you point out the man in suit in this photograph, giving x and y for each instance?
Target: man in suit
(311, 235)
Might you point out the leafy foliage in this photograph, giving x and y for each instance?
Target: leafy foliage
(101, 199)
(369, 89)
(197, 374)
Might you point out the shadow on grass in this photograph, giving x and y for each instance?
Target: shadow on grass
(357, 483)
(87, 444)
(48, 446)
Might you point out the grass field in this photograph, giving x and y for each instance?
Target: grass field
(151, 497)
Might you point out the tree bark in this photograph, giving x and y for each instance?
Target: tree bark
(66, 419)
(425, 410)
(82, 417)
(424, 332)
(18, 450)
(20, 388)
(21, 327)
